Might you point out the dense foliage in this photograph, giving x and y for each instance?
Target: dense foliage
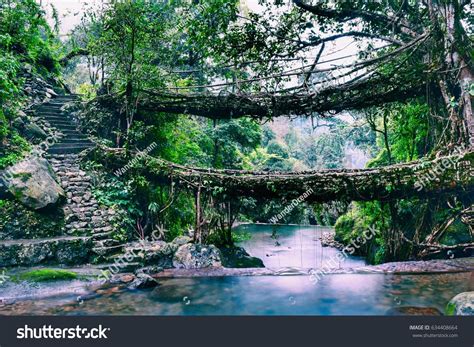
(128, 59)
(26, 43)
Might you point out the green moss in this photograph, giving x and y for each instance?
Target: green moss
(17, 221)
(44, 275)
(450, 309)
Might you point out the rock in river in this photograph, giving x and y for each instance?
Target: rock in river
(192, 256)
(142, 281)
(461, 305)
(237, 257)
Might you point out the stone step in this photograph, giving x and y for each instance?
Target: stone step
(67, 96)
(70, 95)
(55, 102)
(58, 118)
(106, 243)
(62, 250)
(47, 108)
(60, 149)
(73, 144)
(79, 136)
(60, 121)
(61, 157)
(73, 132)
(102, 236)
(75, 139)
(119, 267)
(108, 251)
(55, 117)
(64, 126)
(50, 112)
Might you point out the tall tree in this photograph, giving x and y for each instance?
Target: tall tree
(406, 50)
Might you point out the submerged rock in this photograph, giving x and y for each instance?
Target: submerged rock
(33, 183)
(461, 305)
(193, 256)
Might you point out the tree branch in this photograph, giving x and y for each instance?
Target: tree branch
(73, 54)
(348, 14)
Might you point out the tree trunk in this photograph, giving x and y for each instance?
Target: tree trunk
(458, 75)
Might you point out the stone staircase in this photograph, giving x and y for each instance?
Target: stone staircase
(72, 141)
(88, 228)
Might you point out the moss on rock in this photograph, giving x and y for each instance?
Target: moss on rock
(19, 222)
(43, 275)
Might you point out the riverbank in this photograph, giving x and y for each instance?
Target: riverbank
(290, 256)
(397, 268)
(87, 282)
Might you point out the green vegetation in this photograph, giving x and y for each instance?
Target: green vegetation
(207, 83)
(44, 275)
(450, 309)
(26, 44)
(241, 236)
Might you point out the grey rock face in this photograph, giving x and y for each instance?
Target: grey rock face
(33, 131)
(192, 256)
(182, 240)
(158, 253)
(143, 280)
(33, 183)
(461, 305)
(64, 250)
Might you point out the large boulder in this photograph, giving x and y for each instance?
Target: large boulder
(33, 131)
(32, 182)
(182, 240)
(61, 250)
(158, 253)
(193, 256)
(142, 281)
(237, 257)
(461, 305)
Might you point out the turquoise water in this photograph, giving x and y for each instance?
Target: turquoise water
(337, 294)
(293, 247)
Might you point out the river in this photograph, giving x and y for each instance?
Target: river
(292, 249)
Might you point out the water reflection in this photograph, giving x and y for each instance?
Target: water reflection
(297, 247)
(294, 246)
(335, 294)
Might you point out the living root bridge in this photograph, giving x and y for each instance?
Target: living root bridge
(450, 174)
